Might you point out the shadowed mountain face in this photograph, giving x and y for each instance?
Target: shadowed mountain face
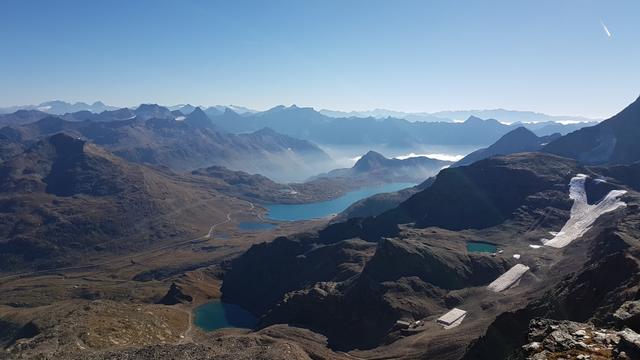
(63, 198)
(483, 194)
(613, 141)
(197, 118)
(152, 135)
(518, 140)
(59, 165)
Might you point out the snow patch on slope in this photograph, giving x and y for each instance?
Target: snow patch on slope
(508, 279)
(583, 215)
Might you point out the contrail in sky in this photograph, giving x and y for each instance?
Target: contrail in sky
(605, 28)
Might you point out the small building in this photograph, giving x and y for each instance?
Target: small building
(402, 324)
(454, 316)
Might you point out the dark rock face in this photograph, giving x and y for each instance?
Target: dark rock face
(483, 194)
(257, 285)
(75, 172)
(175, 295)
(629, 315)
(63, 166)
(403, 279)
(395, 259)
(629, 175)
(613, 141)
(358, 313)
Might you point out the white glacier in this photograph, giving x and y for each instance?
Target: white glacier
(583, 215)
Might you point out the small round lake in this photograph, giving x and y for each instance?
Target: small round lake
(321, 209)
(217, 315)
(255, 226)
(479, 246)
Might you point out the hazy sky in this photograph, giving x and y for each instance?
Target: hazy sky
(550, 56)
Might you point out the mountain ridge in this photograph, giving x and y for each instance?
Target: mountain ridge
(613, 141)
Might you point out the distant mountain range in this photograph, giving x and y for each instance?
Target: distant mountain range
(60, 107)
(508, 116)
(214, 110)
(382, 114)
(511, 116)
(295, 122)
(306, 123)
(155, 135)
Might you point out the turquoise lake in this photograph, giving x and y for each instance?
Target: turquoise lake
(296, 212)
(478, 246)
(217, 315)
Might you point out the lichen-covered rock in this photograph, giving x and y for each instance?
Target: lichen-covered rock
(554, 339)
(629, 314)
(629, 343)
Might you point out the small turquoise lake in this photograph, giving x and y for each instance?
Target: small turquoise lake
(217, 315)
(479, 246)
(321, 209)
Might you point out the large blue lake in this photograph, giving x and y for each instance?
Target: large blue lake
(295, 212)
(217, 315)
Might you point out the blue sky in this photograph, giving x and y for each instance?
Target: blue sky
(550, 56)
